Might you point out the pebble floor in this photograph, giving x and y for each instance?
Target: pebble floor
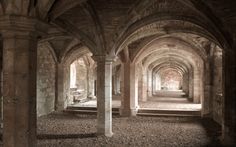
(67, 130)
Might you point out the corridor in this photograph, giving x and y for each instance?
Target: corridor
(117, 73)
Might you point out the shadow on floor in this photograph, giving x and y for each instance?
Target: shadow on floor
(213, 130)
(65, 136)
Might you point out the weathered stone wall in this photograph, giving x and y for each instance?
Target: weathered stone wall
(217, 87)
(46, 69)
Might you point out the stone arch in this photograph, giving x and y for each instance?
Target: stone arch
(161, 49)
(64, 73)
(188, 25)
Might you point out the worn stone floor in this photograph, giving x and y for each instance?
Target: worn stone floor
(169, 103)
(161, 103)
(63, 130)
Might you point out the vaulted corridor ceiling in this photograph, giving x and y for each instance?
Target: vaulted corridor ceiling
(137, 53)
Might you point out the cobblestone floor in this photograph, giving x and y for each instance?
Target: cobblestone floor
(60, 130)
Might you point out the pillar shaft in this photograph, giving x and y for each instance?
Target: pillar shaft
(229, 102)
(196, 87)
(91, 93)
(129, 102)
(59, 92)
(104, 96)
(1, 85)
(150, 82)
(19, 89)
(144, 86)
(207, 103)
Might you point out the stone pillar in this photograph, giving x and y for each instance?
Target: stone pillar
(117, 84)
(190, 84)
(60, 103)
(90, 83)
(144, 86)
(150, 82)
(229, 102)
(129, 99)
(154, 83)
(196, 86)
(185, 86)
(1, 85)
(114, 84)
(116, 81)
(104, 95)
(208, 101)
(19, 88)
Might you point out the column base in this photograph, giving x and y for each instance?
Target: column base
(128, 112)
(227, 139)
(92, 97)
(106, 134)
(144, 100)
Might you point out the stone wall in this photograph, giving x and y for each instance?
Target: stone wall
(46, 69)
(217, 87)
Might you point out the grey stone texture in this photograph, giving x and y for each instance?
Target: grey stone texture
(146, 36)
(46, 71)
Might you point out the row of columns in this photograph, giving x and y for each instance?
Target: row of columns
(19, 90)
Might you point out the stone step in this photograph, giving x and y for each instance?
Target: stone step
(87, 110)
(141, 112)
(155, 112)
(168, 93)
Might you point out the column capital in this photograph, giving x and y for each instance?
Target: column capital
(104, 58)
(21, 26)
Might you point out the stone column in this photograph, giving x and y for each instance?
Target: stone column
(1, 85)
(19, 35)
(129, 99)
(149, 81)
(229, 102)
(113, 84)
(90, 84)
(208, 100)
(185, 86)
(19, 88)
(59, 92)
(104, 95)
(190, 84)
(154, 83)
(196, 86)
(116, 81)
(144, 86)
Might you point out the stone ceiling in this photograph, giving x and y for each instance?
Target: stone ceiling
(104, 26)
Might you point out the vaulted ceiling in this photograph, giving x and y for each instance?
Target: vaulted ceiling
(110, 26)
